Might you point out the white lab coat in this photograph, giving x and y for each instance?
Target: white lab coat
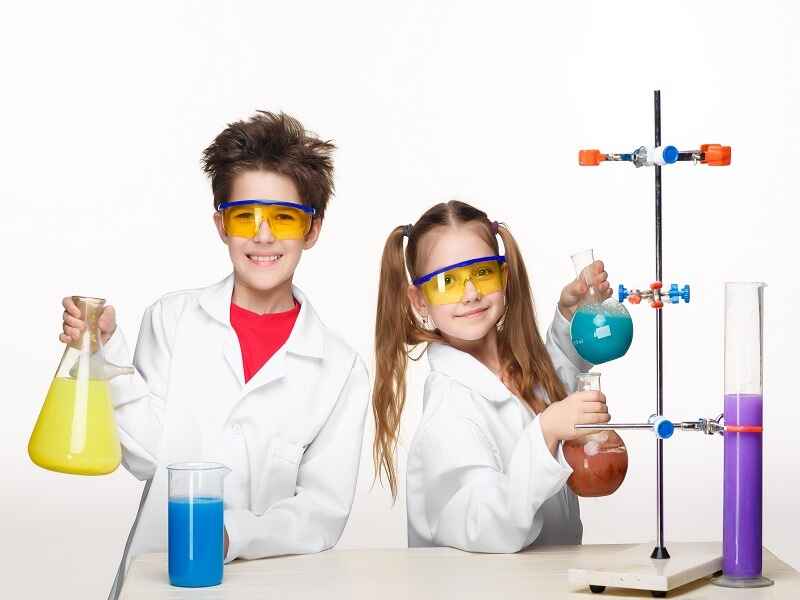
(480, 476)
(292, 435)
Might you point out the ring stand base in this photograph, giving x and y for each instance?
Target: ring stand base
(634, 569)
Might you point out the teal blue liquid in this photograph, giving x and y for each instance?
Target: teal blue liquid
(195, 541)
(601, 334)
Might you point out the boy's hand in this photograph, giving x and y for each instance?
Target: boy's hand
(74, 326)
(581, 408)
(574, 292)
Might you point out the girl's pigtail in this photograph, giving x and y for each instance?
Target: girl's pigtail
(521, 345)
(395, 327)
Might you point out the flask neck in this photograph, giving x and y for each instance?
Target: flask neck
(91, 309)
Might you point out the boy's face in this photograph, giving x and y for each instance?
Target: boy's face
(263, 262)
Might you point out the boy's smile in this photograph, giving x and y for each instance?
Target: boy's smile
(264, 260)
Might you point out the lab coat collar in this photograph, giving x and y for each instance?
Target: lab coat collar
(307, 337)
(467, 370)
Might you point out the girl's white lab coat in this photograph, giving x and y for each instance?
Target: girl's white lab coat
(291, 435)
(480, 476)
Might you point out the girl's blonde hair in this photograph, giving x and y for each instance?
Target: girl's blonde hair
(523, 356)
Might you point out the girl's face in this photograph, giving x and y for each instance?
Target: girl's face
(474, 315)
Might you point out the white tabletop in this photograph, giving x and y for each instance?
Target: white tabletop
(421, 573)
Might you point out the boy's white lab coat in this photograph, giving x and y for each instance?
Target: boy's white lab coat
(480, 476)
(291, 435)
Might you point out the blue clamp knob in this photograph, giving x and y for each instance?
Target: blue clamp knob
(623, 293)
(663, 427)
(675, 294)
(669, 154)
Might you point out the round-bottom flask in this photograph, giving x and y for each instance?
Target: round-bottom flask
(599, 460)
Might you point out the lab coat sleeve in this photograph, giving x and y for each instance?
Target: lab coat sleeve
(314, 518)
(139, 399)
(471, 503)
(566, 361)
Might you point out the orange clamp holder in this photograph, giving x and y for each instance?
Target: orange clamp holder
(715, 155)
(590, 158)
(744, 428)
(634, 299)
(656, 285)
(657, 304)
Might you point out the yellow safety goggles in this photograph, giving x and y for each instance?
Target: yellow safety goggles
(447, 285)
(286, 220)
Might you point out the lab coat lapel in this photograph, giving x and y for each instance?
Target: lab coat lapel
(467, 370)
(273, 369)
(305, 341)
(216, 301)
(232, 352)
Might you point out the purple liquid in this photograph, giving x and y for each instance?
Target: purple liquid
(741, 519)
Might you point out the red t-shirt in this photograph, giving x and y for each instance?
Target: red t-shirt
(260, 336)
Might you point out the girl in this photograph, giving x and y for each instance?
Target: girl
(486, 471)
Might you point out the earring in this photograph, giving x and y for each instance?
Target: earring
(426, 322)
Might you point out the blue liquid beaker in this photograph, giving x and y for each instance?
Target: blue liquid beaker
(196, 528)
(601, 330)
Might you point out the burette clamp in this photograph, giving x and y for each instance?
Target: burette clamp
(712, 426)
(655, 295)
(663, 428)
(707, 426)
(713, 155)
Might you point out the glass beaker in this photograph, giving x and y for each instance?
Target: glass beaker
(76, 432)
(744, 411)
(196, 528)
(599, 460)
(601, 330)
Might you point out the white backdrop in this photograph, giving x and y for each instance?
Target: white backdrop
(107, 107)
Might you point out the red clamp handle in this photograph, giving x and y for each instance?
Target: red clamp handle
(715, 155)
(590, 158)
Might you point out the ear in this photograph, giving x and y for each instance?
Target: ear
(313, 234)
(220, 227)
(418, 301)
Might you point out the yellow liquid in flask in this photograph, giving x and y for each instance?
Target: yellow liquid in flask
(76, 432)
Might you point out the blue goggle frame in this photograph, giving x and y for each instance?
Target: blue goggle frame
(471, 261)
(306, 209)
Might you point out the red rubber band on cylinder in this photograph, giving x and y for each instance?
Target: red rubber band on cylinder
(744, 428)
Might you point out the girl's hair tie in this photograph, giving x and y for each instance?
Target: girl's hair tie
(407, 230)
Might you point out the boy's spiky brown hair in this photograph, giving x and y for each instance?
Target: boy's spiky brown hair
(277, 143)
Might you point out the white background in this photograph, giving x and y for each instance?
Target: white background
(105, 111)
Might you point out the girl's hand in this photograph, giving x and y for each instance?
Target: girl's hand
(574, 292)
(581, 408)
(73, 325)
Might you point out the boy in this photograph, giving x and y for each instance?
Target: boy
(243, 372)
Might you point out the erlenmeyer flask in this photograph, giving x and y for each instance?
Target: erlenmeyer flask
(599, 460)
(601, 330)
(76, 431)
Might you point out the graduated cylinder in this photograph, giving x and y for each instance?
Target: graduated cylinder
(742, 480)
